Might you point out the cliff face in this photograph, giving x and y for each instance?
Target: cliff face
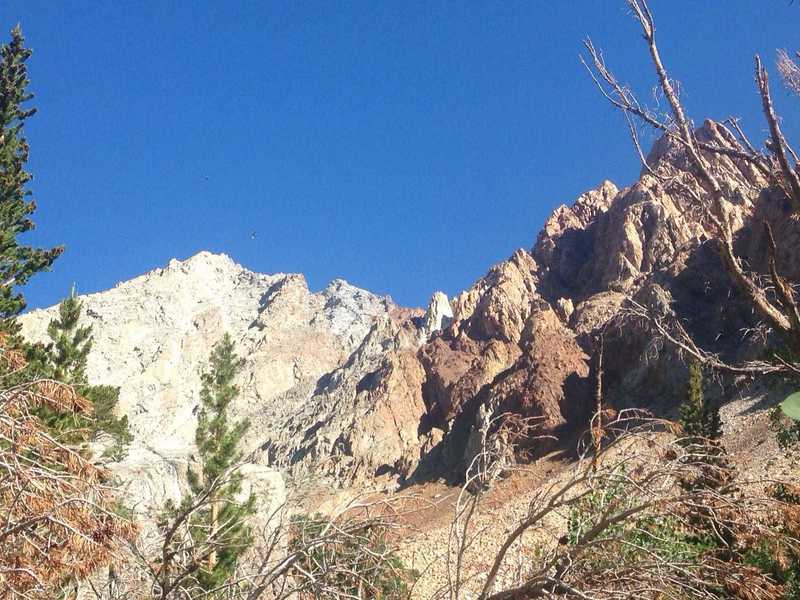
(306, 354)
(346, 385)
(523, 336)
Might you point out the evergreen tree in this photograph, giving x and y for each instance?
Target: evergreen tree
(58, 524)
(699, 417)
(104, 400)
(217, 438)
(17, 261)
(64, 359)
(71, 344)
(701, 424)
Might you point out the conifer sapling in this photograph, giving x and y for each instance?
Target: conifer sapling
(220, 529)
(698, 415)
(64, 359)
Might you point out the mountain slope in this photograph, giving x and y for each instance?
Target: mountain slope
(345, 385)
(153, 335)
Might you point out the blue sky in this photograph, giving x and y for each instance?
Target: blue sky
(403, 146)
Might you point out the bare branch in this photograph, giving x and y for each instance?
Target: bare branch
(789, 71)
(778, 146)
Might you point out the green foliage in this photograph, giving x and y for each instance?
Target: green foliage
(791, 406)
(70, 344)
(785, 418)
(586, 513)
(216, 438)
(644, 538)
(64, 359)
(698, 416)
(104, 400)
(692, 537)
(785, 572)
(18, 263)
(217, 441)
(352, 561)
(778, 559)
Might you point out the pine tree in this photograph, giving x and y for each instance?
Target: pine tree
(104, 399)
(217, 439)
(691, 410)
(64, 359)
(58, 520)
(71, 344)
(702, 427)
(17, 261)
(699, 417)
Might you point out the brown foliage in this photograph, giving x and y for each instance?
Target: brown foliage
(57, 519)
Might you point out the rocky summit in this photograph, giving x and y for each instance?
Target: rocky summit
(302, 350)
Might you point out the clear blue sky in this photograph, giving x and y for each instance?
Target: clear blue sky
(403, 146)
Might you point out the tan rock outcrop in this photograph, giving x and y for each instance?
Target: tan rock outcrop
(363, 417)
(536, 384)
(645, 243)
(302, 350)
(483, 339)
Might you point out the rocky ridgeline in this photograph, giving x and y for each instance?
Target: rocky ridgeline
(305, 354)
(345, 385)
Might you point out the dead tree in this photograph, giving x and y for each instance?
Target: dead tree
(294, 556)
(774, 301)
(58, 521)
(620, 524)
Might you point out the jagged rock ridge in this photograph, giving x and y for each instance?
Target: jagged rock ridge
(523, 336)
(306, 355)
(345, 384)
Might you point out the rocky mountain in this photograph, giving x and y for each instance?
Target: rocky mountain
(343, 385)
(522, 338)
(306, 355)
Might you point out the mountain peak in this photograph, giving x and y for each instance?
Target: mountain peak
(204, 258)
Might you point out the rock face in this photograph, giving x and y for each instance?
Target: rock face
(345, 384)
(506, 351)
(362, 418)
(438, 316)
(565, 241)
(497, 322)
(306, 354)
(522, 337)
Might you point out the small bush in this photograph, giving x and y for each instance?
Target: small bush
(351, 559)
(648, 536)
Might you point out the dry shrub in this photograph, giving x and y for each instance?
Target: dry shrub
(58, 522)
